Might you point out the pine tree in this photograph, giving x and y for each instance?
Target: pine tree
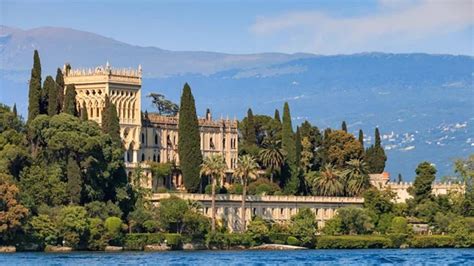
(361, 138)
(15, 112)
(110, 121)
(60, 83)
(344, 126)
(189, 151)
(277, 116)
(34, 94)
(52, 88)
(74, 181)
(84, 116)
(288, 140)
(70, 100)
(250, 137)
(378, 142)
(298, 145)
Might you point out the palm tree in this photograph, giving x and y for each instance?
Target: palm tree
(272, 156)
(328, 182)
(214, 167)
(247, 167)
(356, 177)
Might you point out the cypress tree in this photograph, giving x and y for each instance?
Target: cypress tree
(344, 126)
(189, 151)
(52, 88)
(361, 138)
(110, 121)
(298, 145)
(70, 100)
(250, 132)
(421, 189)
(60, 83)
(399, 180)
(287, 136)
(277, 116)
(84, 116)
(375, 155)
(74, 181)
(14, 110)
(34, 93)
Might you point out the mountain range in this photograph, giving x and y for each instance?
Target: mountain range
(422, 103)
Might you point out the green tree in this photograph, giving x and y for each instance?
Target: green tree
(276, 116)
(421, 189)
(250, 136)
(34, 94)
(52, 88)
(113, 228)
(61, 85)
(355, 220)
(361, 138)
(70, 100)
(328, 182)
(189, 141)
(160, 171)
(73, 226)
(214, 167)
(298, 147)
(344, 126)
(399, 225)
(272, 156)
(97, 237)
(247, 167)
(164, 106)
(44, 230)
(375, 155)
(102, 210)
(84, 115)
(111, 122)
(14, 111)
(304, 226)
(74, 181)
(171, 214)
(288, 139)
(258, 230)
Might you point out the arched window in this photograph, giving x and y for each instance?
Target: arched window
(156, 139)
(143, 157)
(143, 138)
(154, 157)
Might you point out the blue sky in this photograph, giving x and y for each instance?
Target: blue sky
(321, 27)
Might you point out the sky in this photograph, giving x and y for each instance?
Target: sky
(319, 27)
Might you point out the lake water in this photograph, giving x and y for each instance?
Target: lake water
(307, 257)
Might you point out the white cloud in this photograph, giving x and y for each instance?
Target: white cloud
(315, 31)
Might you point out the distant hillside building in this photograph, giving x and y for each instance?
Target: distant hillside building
(152, 137)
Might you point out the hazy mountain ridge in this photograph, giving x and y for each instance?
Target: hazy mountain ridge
(422, 103)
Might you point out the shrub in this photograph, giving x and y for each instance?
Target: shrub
(459, 230)
(161, 190)
(258, 230)
(219, 190)
(397, 239)
(113, 226)
(156, 238)
(173, 240)
(262, 186)
(432, 241)
(304, 226)
(135, 241)
(151, 226)
(278, 238)
(359, 241)
(236, 188)
(97, 237)
(399, 225)
(293, 241)
(74, 225)
(226, 241)
(102, 210)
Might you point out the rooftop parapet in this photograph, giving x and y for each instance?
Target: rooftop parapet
(118, 74)
(174, 120)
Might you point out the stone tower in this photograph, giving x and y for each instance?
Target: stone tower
(123, 87)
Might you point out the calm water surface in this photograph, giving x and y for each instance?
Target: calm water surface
(306, 257)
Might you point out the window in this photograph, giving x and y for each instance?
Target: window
(156, 139)
(143, 157)
(223, 143)
(143, 138)
(211, 144)
(154, 157)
